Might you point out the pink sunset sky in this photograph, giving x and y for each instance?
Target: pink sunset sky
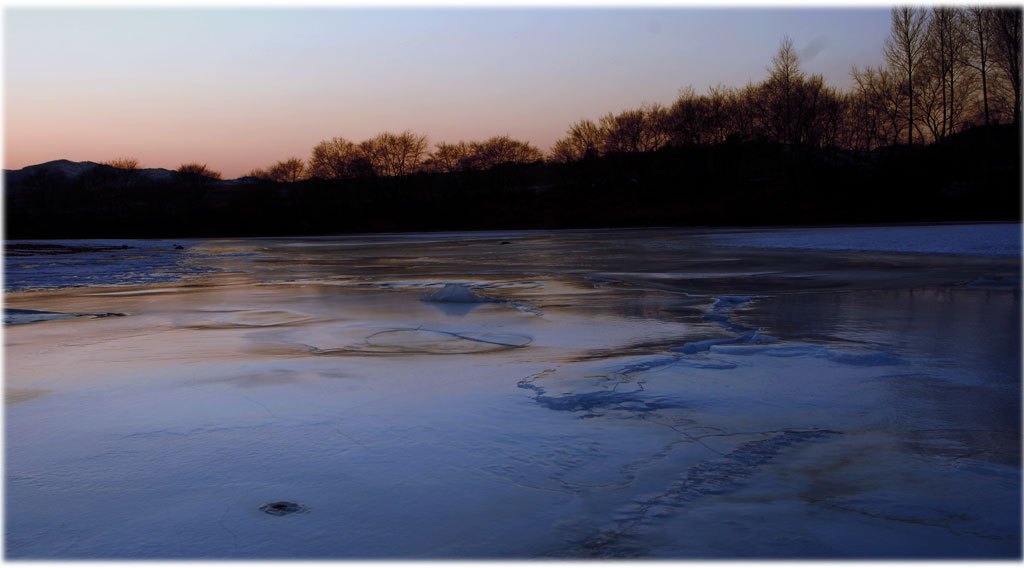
(239, 88)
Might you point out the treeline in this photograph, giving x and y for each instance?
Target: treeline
(970, 176)
(946, 69)
(389, 155)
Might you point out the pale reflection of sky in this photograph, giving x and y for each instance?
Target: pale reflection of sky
(239, 89)
(997, 239)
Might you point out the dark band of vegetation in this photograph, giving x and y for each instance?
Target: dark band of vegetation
(932, 134)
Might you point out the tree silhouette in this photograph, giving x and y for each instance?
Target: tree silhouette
(946, 86)
(196, 170)
(639, 130)
(286, 171)
(878, 106)
(1006, 24)
(780, 95)
(693, 120)
(394, 154)
(977, 24)
(501, 150)
(792, 108)
(448, 158)
(583, 140)
(336, 158)
(258, 173)
(123, 163)
(904, 49)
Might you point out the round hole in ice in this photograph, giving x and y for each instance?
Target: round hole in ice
(281, 508)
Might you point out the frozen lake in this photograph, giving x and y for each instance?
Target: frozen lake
(840, 393)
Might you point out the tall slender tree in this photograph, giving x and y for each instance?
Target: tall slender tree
(903, 51)
(977, 23)
(946, 88)
(781, 94)
(1007, 51)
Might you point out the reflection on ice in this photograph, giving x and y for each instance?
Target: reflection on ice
(14, 316)
(248, 318)
(456, 300)
(618, 394)
(429, 341)
(456, 294)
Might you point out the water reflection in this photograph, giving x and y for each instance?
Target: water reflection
(454, 309)
(976, 332)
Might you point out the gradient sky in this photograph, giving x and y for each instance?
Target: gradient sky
(241, 88)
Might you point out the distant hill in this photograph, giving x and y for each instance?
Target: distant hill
(66, 168)
(70, 171)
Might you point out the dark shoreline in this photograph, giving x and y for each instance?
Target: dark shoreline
(974, 176)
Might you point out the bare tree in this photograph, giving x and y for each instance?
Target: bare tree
(882, 102)
(195, 169)
(781, 95)
(638, 130)
(746, 115)
(336, 158)
(1006, 51)
(373, 150)
(395, 154)
(946, 86)
(977, 24)
(858, 123)
(501, 150)
(821, 111)
(124, 181)
(936, 69)
(582, 141)
(127, 171)
(904, 49)
(285, 171)
(586, 137)
(448, 158)
(123, 163)
(655, 126)
(722, 104)
(258, 173)
(696, 120)
(621, 132)
(792, 108)
(195, 177)
(563, 152)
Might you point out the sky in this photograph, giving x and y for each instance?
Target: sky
(239, 88)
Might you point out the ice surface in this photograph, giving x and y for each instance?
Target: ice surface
(631, 393)
(14, 316)
(55, 264)
(994, 239)
(457, 294)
